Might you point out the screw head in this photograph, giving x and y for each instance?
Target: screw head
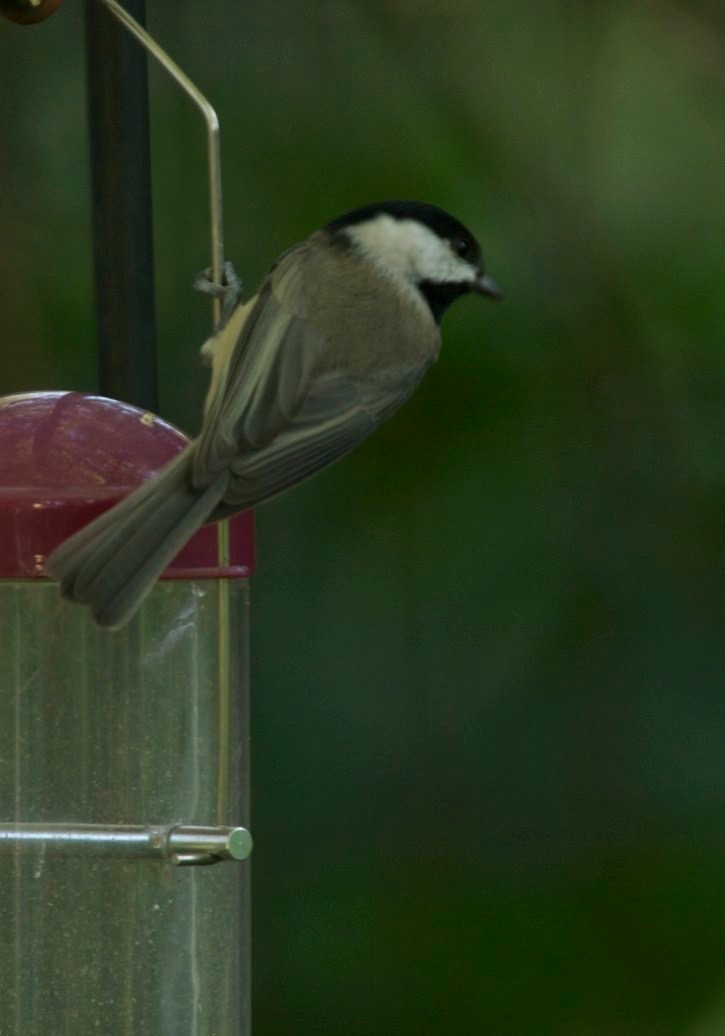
(28, 12)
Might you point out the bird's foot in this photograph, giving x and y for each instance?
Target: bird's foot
(230, 292)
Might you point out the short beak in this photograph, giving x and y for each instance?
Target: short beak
(487, 286)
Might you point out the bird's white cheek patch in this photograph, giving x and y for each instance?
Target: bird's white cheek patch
(409, 251)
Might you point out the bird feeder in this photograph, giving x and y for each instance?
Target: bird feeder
(123, 755)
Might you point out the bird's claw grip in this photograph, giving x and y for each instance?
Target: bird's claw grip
(230, 292)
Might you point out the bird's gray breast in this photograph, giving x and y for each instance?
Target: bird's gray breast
(377, 333)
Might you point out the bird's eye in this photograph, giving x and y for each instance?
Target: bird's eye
(460, 247)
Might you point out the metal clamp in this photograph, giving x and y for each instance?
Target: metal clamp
(181, 845)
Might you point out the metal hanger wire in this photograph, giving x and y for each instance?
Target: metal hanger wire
(212, 133)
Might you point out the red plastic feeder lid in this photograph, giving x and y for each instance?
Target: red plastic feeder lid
(66, 457)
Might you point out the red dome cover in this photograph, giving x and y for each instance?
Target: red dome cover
(65, 457)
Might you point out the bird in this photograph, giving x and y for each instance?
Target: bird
(340, 334)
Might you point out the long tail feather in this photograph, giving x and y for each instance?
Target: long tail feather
(113, 562)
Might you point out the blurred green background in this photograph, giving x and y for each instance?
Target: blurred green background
(489, 648)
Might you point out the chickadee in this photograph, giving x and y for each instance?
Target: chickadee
(340, 334)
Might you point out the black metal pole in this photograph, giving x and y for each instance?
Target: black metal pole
(118, 116)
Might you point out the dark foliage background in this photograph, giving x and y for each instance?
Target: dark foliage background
(488, 648)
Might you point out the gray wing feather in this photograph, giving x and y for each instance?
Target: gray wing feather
(269, 372)
(331, 423)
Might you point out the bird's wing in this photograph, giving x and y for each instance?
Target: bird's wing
(337, 415)
(332, 421)
(269, 370)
